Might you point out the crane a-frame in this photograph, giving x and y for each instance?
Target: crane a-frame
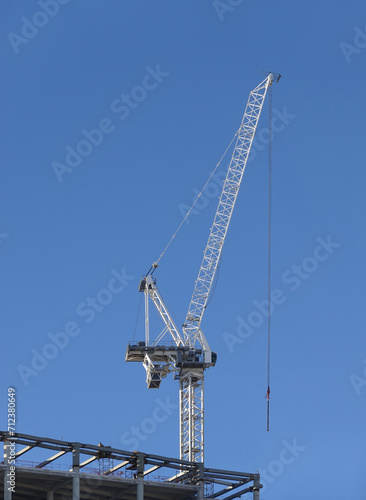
(189, 354)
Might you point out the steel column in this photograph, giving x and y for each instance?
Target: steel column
(140, 466)
(256, 487)
(200, 480)
(76, 471)
(7, 490)
(140, 489)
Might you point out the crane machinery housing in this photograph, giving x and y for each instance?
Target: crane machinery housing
(188, 353)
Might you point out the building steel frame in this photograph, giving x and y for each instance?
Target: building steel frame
(186, 481)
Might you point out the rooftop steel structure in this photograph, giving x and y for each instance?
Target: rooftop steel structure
(130, 477)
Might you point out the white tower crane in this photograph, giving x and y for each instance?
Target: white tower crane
(189, 354)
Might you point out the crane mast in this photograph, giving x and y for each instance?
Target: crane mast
(189, 354)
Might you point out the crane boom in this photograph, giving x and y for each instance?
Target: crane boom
(212, 253)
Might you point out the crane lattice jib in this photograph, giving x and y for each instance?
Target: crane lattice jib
(211, 257)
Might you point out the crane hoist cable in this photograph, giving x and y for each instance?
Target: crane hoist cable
(155, 264)
(137, 317)
(269, 250)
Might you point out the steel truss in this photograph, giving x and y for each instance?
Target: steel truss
(212, 253)
(191, 405)
(130, 477)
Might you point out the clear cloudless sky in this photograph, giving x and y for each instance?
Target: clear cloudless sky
(72, 223)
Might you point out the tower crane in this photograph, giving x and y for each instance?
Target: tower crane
(188, 354)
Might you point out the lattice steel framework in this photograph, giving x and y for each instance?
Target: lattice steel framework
(191, 415)
(211, 257)
(192, 354)
(152, 291)
(130, 477)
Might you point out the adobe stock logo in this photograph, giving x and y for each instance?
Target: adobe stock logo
(293, 277)
(261, 139)
(131, 439)
(223, 6)
(122, 107)
(87, 311)
(31, 27)
(287, 456)
(359, 382)
(359, 43)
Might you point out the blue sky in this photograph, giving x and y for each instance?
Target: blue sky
(160, 87)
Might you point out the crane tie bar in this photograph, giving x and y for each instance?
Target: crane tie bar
(155, 264)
